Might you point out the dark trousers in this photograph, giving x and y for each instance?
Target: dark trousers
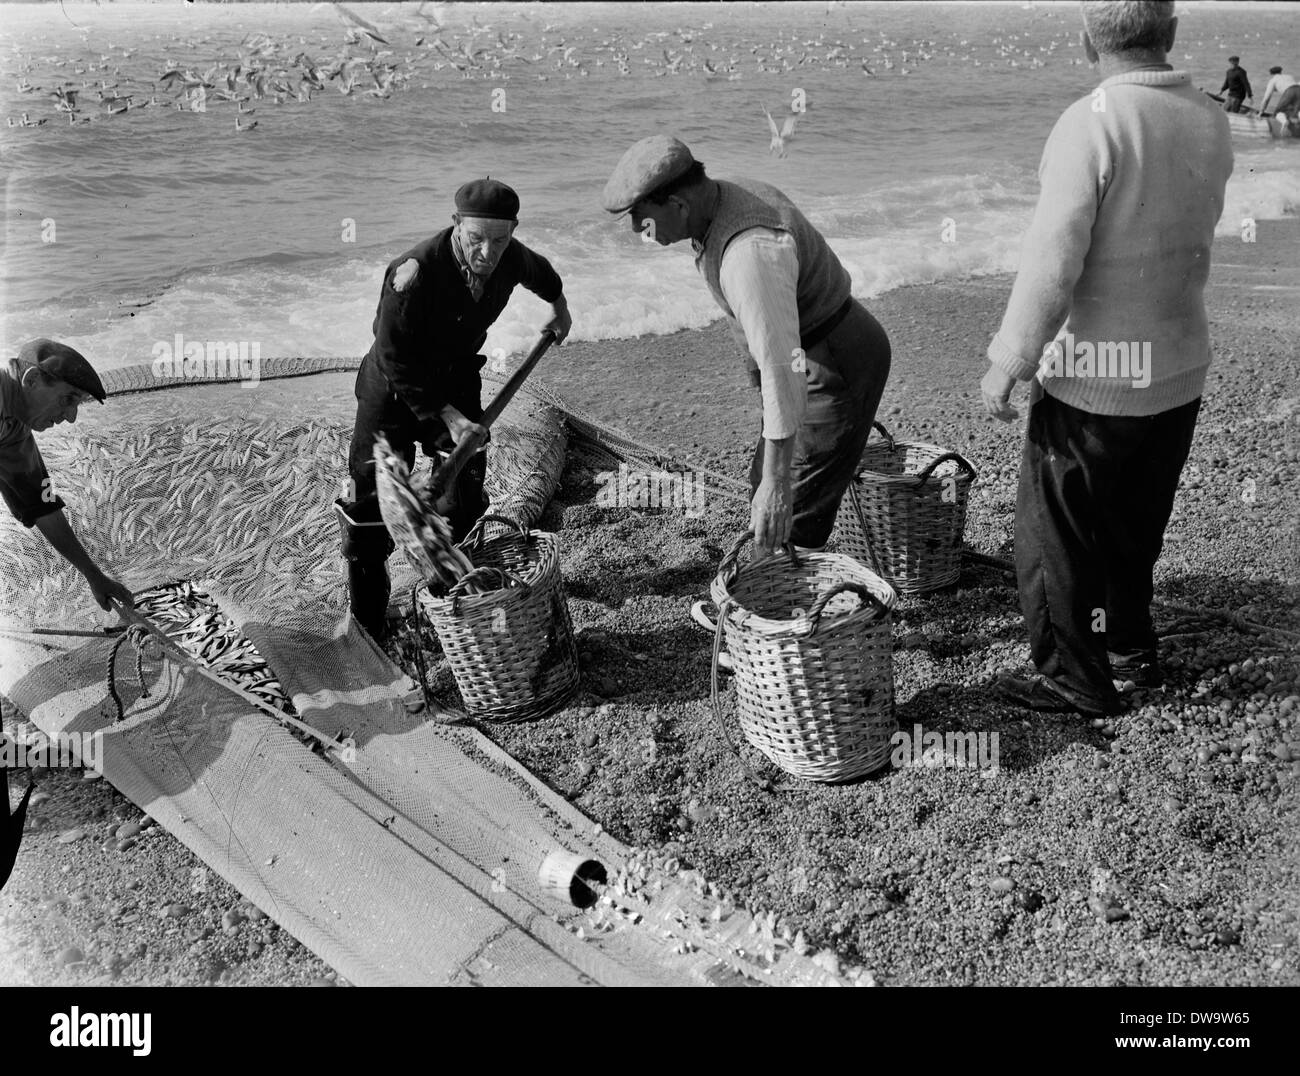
(1233, 104)
(846, 378)
(1288, 104)
(380, 410)
(1095, 496)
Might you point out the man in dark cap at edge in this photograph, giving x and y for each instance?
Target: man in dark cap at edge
(420, 382)
(819, 357)
(39, 389)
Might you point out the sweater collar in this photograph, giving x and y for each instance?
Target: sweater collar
(473, 281)
(1150, 77)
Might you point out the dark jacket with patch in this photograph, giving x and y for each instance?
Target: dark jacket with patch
(428, 335)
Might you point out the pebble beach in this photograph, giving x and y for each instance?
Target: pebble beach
(1157, 848)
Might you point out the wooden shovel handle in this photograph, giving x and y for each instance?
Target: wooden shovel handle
(465, 448)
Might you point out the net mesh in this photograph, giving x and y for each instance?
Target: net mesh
(409, 855)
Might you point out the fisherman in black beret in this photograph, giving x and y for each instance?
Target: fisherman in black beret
(40, 388)
(419, 383)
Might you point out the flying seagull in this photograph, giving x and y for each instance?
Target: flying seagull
(779, 135)
(369, 28)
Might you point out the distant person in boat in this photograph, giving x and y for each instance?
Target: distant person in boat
(419, 382)
(1107, 322)
(818, 357)
(1278, 83)
(42, 387)
(1236, 85)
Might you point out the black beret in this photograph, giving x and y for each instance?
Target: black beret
(487, 198)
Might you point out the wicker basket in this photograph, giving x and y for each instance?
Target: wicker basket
(810, 641)
(510, 647)
(905, 513)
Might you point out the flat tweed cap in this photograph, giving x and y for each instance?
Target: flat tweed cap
(63, 364)
(487, 198)
(644, 168)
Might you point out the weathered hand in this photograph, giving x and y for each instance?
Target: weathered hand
(996, 392)
(104, 587)
(560, 324)
(771, 515)
(458, 425)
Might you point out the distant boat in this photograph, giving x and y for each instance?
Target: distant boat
(1253, 125)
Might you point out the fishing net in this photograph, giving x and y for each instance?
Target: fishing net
(397, 845)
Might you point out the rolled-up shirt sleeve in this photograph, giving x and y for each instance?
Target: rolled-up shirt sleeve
(759, 277)
(24, 482)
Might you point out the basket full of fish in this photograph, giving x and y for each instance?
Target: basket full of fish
(904, 514)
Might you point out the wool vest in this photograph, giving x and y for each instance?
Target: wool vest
(823, 286)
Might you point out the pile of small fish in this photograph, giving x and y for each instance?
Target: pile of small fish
(192, 620)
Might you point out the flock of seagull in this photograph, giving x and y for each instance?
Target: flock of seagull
(377, 62)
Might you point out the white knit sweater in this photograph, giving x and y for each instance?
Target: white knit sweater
(1118, 251)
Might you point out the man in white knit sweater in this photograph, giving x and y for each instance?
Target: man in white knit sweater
(1107, 319)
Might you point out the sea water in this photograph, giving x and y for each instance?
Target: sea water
(167, 222)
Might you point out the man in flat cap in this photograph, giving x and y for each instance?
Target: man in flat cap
(819, 358)
(1236, 85)
(40, 388)
(419, 383)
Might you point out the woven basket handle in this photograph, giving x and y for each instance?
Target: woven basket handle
(499, 577)
(819, 606)
(886, 435)
(476, 532)
(730, 570)
(962, 462)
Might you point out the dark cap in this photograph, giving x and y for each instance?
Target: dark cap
(1234, 59)
(643, 169)
(487, 198)
(1274, 70)
(62, 363)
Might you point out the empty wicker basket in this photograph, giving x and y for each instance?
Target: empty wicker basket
(810, 641)
(904, 513)
(505, 627)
